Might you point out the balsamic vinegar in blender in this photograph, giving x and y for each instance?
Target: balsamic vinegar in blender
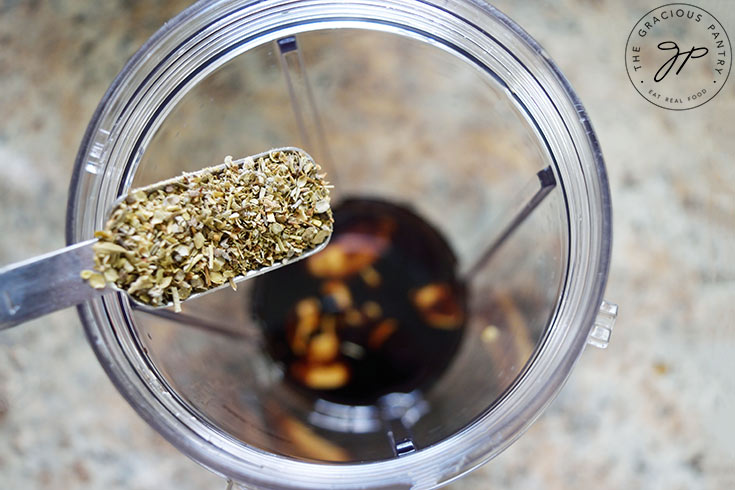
(379, 310)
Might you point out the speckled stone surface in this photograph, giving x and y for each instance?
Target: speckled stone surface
(654, 411)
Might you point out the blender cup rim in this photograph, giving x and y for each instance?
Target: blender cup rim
(452, 452)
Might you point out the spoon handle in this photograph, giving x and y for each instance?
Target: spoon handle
(44, 284)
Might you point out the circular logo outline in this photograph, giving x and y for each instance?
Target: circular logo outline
(627, 44)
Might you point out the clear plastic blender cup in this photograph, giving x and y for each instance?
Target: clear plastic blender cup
(446, 125)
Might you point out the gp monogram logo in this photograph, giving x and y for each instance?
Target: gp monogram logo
(678, 56)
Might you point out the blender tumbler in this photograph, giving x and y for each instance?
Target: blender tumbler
(469, 260)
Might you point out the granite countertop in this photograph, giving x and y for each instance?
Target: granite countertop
(652, 411)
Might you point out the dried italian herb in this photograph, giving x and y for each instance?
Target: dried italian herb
(164, 243)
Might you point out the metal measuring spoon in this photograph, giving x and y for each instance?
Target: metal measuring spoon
(52, 281)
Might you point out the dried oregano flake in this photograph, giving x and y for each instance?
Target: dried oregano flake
(164, 243)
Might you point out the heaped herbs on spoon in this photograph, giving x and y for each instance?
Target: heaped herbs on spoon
(163, 244)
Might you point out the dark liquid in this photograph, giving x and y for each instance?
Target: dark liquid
(380, 310)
